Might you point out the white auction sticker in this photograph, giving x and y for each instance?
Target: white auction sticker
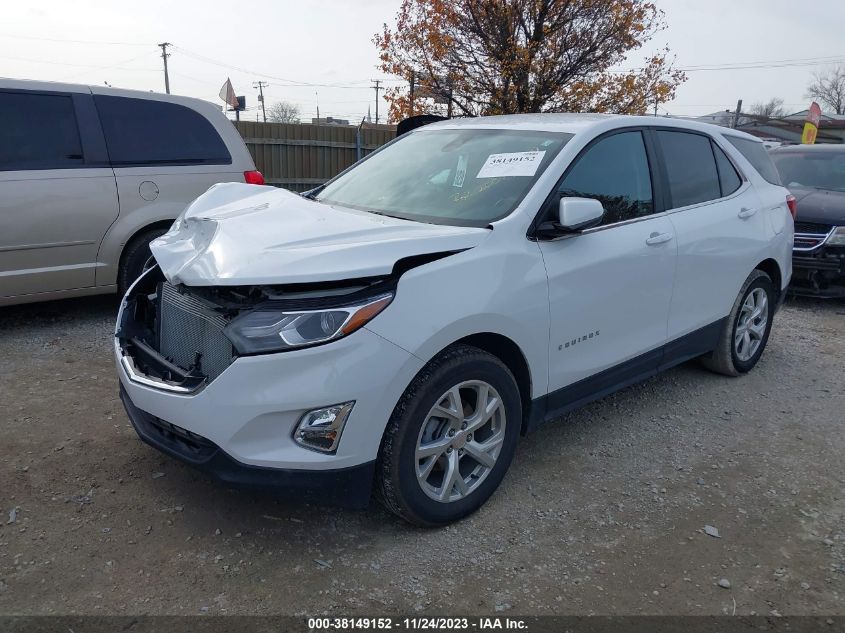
(513, 164)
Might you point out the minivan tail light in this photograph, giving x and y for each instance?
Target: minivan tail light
(253, 177)
(792, 203)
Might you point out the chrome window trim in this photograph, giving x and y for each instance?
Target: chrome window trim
(745, 185)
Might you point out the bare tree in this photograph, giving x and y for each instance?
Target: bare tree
(829, 88)
(771, 109)
(283, 112)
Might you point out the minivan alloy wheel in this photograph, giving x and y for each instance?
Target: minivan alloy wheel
(460, 441)
(751, 325)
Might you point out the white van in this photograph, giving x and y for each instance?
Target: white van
(90, 175)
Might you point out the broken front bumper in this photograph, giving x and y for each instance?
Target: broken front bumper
(348, 487)
(239, 424)
(819, 273)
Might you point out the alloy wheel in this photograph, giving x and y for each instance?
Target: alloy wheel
(460, 441)
(751, 324)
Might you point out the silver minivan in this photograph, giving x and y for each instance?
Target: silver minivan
(90, 175)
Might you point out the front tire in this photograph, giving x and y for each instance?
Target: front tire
(450, 439)
(746, 330)
(136, 258)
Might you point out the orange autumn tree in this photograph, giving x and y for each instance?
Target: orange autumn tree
(478, 57)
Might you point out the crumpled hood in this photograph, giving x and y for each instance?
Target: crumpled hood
(238, 234)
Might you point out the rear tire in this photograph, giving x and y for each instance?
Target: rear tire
(136, 258)
(443, 455)
(746, 330)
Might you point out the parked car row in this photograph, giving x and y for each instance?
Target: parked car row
(400, 327)
(90, 175)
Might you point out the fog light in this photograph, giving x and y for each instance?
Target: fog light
(320, 429)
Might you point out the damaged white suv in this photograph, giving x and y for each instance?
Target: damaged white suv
(401, 326)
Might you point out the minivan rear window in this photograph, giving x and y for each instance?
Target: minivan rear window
(38, 131)
(145, 131)
(757, 155)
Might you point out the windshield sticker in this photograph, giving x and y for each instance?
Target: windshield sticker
(460, 172)
(513, 164)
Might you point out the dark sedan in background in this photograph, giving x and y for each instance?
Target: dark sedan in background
(815, 174)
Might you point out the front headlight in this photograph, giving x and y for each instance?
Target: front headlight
(837, 238)
(262, 331)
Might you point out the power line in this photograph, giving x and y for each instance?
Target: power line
(799, 60)
(779, 63)
(118, 65)
(51, 63)
(287, 82)
(54, 39)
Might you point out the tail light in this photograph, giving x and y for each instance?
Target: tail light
(792, 203)
(253, 177)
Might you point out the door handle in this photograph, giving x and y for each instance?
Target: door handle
(745, 212)
(658, 238)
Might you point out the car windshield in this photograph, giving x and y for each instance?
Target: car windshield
(466, 177)
(818, 170)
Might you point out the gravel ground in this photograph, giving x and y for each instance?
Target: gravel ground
(688, 494)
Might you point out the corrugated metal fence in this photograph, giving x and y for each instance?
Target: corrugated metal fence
(300, 156)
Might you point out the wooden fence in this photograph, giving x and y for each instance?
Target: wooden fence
(300, 156)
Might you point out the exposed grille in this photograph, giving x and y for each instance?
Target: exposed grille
(191, 334)
(812, 227)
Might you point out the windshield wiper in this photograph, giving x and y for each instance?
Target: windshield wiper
(311, 194)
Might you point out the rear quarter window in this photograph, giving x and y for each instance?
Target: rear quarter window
(147, 132)
(756, 154)
(728, 177)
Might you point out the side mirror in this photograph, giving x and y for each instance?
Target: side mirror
(574, 215)
(577, 214)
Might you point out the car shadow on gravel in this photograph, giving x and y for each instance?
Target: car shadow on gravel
(64, 310)
(264, 515)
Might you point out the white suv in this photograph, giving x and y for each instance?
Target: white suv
(405, 323)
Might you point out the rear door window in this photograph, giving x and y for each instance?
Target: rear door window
(690, 166)
(38, 131)
(615, 172)
(148, 132)
(756, 154)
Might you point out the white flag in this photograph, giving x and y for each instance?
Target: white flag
(227, 93)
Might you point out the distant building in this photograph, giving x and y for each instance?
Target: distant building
(723, 117)
(785, 129)
(330, 121)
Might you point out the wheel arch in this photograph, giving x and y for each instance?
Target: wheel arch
(160, 224)
(507, 351)
(772, 269)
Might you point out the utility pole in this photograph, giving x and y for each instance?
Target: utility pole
(164, 56)
(411, 95)
(261, 85)
(735, 121)
(377, 87)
